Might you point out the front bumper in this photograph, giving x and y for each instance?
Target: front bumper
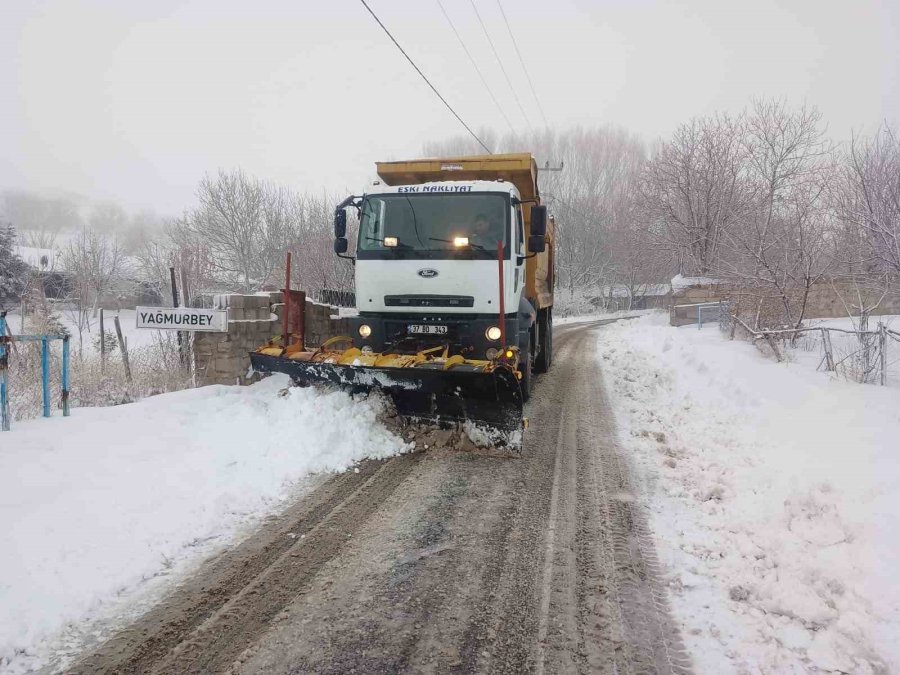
(465, 333)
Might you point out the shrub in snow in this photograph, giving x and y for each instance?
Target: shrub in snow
(576, 302)
(110, 342)
(12, 270)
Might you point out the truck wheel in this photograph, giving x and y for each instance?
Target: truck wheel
(525, 382)
(545, 331)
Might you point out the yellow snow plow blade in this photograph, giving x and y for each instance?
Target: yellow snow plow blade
(425, 386)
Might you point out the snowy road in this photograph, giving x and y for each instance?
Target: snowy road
(441, 562)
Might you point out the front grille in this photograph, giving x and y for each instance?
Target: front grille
(429, 301)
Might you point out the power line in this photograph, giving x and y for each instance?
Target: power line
(475, 66)
(427, 81)
(500, 62)
(522, 61)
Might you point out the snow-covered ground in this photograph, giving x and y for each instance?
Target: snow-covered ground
(774, 495)
(102, 512)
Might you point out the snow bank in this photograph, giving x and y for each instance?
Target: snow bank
(774, 493)
(98, 508)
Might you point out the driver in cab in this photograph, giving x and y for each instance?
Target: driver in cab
(484, 234)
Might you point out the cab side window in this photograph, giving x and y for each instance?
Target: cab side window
(520, 232)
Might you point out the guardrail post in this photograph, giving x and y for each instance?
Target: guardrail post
(45, 374)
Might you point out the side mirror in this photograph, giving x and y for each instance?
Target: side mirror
(536, 243)
(340, 244)
(340, 223)
(539, 221)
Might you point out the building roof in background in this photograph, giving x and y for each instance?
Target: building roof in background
(680, 283)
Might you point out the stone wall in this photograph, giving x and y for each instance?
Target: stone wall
(825, 301)
(223, 357)
(685, 300)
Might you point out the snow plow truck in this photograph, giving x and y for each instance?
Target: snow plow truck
(454, 276)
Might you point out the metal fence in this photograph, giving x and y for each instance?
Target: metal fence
(709, 312)
(328, 296)
(861, 354)
(7, 340)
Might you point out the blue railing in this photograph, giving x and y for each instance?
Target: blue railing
(6, 341)
(711, 311)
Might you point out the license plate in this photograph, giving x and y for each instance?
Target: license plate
(425, 329)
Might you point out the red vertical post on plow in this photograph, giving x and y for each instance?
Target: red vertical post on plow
(286, 333)
(502, 299)
(294, 311)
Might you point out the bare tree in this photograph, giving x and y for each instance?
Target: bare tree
(779, 247)
(93, 261)
(870, 195)
(244, 223)
(693, 191)
(316, 265)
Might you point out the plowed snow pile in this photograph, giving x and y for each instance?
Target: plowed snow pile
(774, 493)
(101, 512)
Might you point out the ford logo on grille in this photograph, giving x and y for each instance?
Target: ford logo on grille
(427, 273)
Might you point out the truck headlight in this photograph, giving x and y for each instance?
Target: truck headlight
(365, 330)
(492, 333)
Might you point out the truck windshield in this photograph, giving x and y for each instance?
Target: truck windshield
(432, 225)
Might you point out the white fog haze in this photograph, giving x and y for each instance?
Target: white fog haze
(134, 102)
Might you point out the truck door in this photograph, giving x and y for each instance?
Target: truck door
(519, 249)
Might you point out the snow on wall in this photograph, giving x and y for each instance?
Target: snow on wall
(682, 283)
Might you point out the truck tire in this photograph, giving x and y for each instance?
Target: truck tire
(525, 382)
(545, 331)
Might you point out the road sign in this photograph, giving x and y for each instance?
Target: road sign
(182, 318)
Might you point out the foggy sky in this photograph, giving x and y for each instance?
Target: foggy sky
(134, 101)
